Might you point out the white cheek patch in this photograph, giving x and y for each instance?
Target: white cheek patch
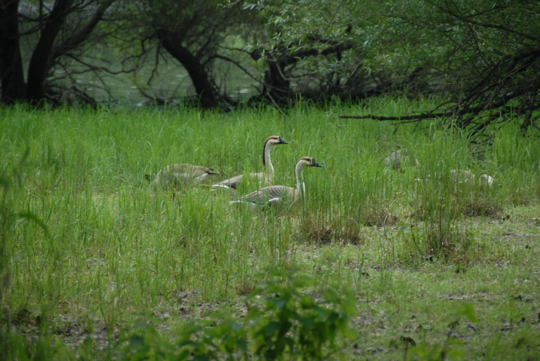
(274, 200)
(202, 177)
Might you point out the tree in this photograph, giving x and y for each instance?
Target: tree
(484, 55)
(191, 32)
(56, 30)
(319, 49)
(294, 32)
(12, 79)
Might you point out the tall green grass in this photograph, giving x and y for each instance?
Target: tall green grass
(84, 233)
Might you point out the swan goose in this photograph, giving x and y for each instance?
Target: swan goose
(276, 194)
(265, 176)
(176, 174)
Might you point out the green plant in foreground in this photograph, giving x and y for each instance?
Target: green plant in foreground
(15, 346)
(10, 185)
(200, 340)
(287, 319)
(289, 322)
(450, 348)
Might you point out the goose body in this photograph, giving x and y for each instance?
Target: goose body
(281, 194)
(265, 176)
(395, 159)
(486, 179)
(398, 159)
(463, 176)
(178, 174)
(466, 176)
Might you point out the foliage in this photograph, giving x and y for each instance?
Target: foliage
(450, 348)
(319, 48)
(421, 46)
(284, 322)
(190, 33)
(290, 324)
(483, 56)
(15, 346)
(41, 47)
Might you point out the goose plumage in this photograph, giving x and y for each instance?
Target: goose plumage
(395, 159)
(466, 176)
(400, 158)
(463, 176)
(178, 174)
(278, 194)
(266, 176)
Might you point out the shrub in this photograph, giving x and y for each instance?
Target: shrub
(287, 319)
(289, 323)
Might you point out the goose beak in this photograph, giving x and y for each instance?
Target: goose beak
(282, 141)
(315, 164)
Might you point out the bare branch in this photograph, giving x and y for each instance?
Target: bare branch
(75, 40)
(237, 64)
(399, 117)
(471, 20)
(100, 68)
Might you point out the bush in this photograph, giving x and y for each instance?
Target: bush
(287, 319)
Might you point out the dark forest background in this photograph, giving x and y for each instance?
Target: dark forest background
(481, 57)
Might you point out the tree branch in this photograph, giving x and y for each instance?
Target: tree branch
(237, 64)
(76, 39)
(469, 19)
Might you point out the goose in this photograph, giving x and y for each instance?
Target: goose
(394, 159)
(486, 179)
(265, 177)
(466, 176)
(276, 194)
(176, 174)
(397, 159)
(462, 176)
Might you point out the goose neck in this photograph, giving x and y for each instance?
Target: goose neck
(267, 161)
(300, 186)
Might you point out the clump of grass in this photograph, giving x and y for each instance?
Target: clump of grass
(465, 199)
(322, 229)
(482, 205)
(439, 207)
(447, 241)
(440, 235)
(378, 215)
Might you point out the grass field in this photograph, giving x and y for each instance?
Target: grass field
(438, 269)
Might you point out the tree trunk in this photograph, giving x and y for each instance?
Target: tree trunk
(200, 78)
(41, 60)
(276, 85)
(11, 69)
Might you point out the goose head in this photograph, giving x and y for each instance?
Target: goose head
(275, 140)
(268, 143)
(309, 162)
